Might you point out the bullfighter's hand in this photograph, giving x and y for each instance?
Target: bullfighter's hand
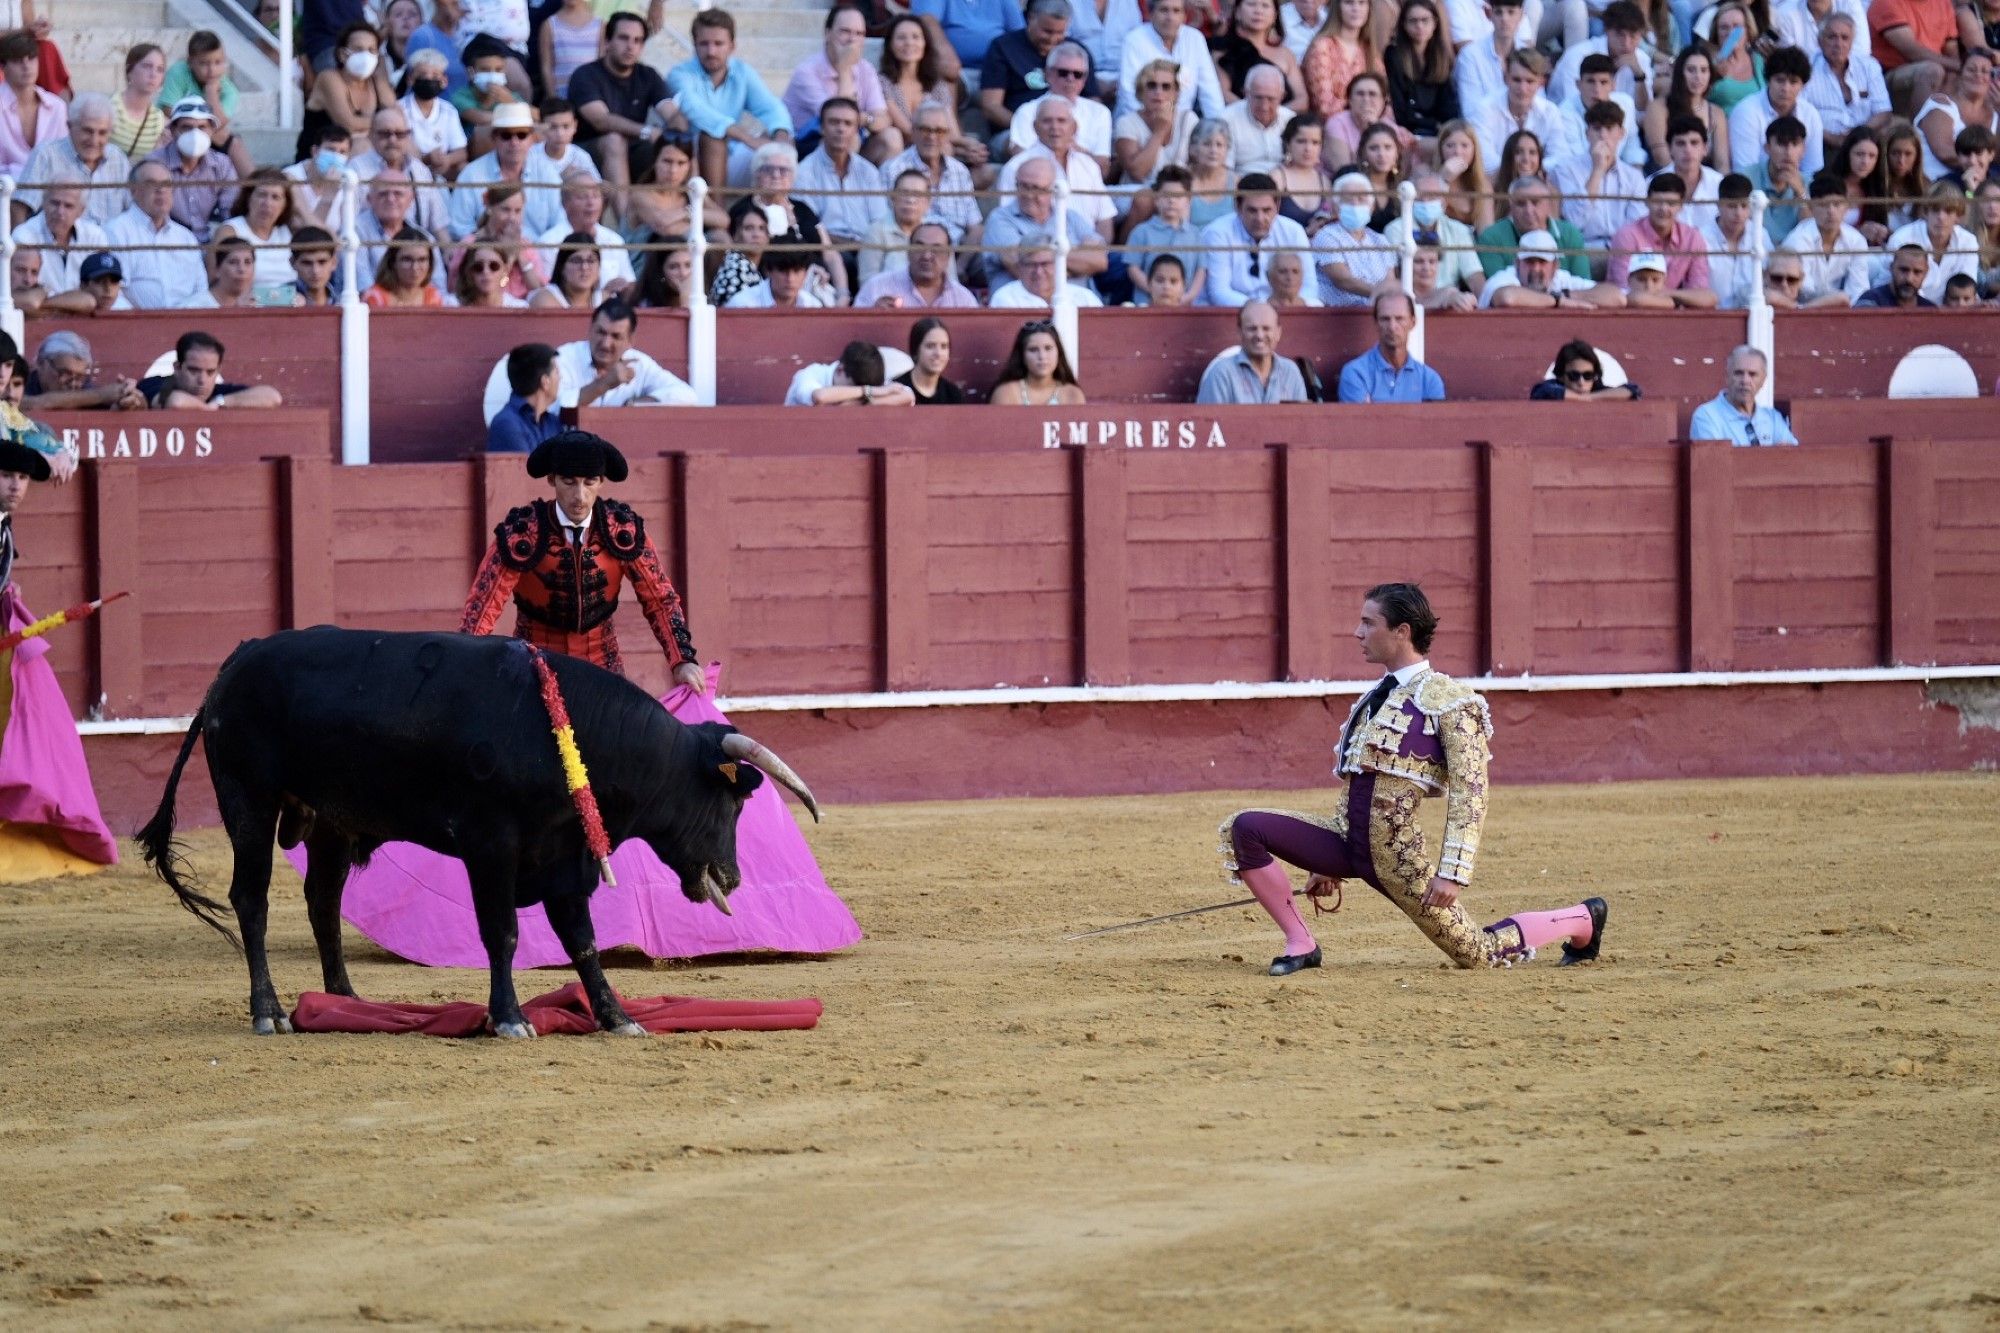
(1441, 894)
(691, 675)
(1319, 886)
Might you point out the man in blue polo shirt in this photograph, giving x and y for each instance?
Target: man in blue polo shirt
(1385, 373)
(530, 415)
(1734, 415)
(971, 26)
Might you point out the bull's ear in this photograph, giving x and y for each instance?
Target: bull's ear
(728, 771)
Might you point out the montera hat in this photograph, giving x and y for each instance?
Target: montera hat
(18, 457)
(577, 453)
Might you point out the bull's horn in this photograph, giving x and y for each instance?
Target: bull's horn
(711, 888)
(738, 746)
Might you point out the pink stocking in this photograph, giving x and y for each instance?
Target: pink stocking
(1540, 928)
(1273, 888)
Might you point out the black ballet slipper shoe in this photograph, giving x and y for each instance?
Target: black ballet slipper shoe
(1294, 962)
(1599, 910)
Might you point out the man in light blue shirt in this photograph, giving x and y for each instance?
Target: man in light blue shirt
(726, 102)
(972, 25)
(512, 161)
(1252, 371)
(1252, 234)
(1386, 373)
(1734, 415)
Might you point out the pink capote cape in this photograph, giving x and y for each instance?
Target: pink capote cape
(417, 904)
(43, 777)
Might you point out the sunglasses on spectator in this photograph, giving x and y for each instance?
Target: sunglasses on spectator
(1579, 376)
(1787, 279)
(1069, 73)
(1159, 86)
(1039, 326)
(513, 134)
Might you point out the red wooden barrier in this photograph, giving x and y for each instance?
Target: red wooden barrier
(861, 571)
(1857, 421)
(1852, 353)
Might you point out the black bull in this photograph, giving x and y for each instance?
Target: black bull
(345, 740)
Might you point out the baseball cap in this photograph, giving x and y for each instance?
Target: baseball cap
(191, 108)
(103, 264)
(513, 116)
(1538, 244)
(1643, 263)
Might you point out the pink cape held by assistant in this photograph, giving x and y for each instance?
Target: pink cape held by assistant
(46, 800)
(417, 904)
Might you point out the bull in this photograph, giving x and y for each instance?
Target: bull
(344, 740)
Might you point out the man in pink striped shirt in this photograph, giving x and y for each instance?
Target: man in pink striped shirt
(1661, 232)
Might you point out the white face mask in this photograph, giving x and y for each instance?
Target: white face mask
(488, 79)
(361, 64)
(192, 143)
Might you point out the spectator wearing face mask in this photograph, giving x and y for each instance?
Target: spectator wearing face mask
(1451, 239)
(437, 135)
(204, 181)
(317, 180)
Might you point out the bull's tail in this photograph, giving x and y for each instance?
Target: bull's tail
(163, 853)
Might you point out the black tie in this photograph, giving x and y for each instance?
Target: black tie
(1373, 703)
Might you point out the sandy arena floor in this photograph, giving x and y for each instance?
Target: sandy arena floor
(1774, 1103)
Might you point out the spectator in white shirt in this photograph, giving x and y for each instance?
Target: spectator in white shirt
(1593, 85)
(1522, 106)
(1166, 33)
(858, 379)
(85, 153)
(1687, 157)
(1480, 70)
(513, 160)
(1800, 22)
(157, 279)
(784, 285)
(1731, 265)
(1055, 142)
(62, 233)
(583, 211)
(1834, 255)
(1846, 87)
(839, 184)
(1302, 23)
(603, 370)
(1624, 42)
(1951, 248)
(1251, 234)
(1069, 74)
(1353, 259)
(1600, 192)
(1785, 73)
(391, 143)
(1035, 288)
(1257, 122)
(437, 135)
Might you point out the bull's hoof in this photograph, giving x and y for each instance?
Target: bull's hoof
(266, 1027)
(519, 1031)
(627, 1029)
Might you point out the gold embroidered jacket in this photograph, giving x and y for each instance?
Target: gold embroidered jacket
(1434, 732)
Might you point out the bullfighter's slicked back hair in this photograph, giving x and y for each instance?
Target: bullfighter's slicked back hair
(1405, 604)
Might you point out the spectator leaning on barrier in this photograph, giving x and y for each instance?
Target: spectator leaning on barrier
(926, 279)
(104, 280)
(164, 270)
(196, 380)
(930, 357)
(529, 415)
(62, 234)
(856, 380)
(87, 155)
(1734, 415)
(1835, 255)
(1252, 371)
(1909, 268)
(1247, 239)
(1579, 378)
(1164, 282)
(204, 180)
(1035, 287)
(725, 102)
(29, 116)
(1426, 266)
(604, 370)
(1683, 255)
(61, 380)
(32, 296)
(1448, 237)
(1386, 372)
(1536, 283)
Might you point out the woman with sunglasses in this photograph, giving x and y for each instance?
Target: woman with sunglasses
(481, 281)
(578, 276)
(1037, 373)
(1156, 134)
(930, 357)
(403, 278)
(500, 228)
(1579, 378)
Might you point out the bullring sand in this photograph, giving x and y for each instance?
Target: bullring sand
(1775, 1102)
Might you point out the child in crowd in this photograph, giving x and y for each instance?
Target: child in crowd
(1170, 228)
(559, 139)
(485, 88)
(313, 255)
(1166, 282)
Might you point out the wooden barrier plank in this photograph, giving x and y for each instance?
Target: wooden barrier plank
(1308, 627)
(706, 537)
(121, 649)
(1106, 649)
(1909, 552)
(499, 481)
(305, 497)
(1510, 549)
(904, 543)
(1710, 551)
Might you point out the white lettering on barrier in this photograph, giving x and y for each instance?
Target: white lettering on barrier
(204, 442)
(1133, 433)
(149, 442)
(97, 443)
(176, 441)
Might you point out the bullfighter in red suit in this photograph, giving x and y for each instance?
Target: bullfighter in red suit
(563, 560)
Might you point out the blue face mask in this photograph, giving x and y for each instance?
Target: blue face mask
(1427, 211)
(1354, 216)
(329, 162)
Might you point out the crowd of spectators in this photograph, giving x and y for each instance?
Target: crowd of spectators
(1197, 152)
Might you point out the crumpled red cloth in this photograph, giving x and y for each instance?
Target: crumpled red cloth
(560, 1011)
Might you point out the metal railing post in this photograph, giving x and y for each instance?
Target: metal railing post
(1062, 305)
(288, 90)
(1760, 321)
(11, 317)
(701, 333)
(1406, 198)
(354, 348)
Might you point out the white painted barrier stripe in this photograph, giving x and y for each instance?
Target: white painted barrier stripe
(1229, 691)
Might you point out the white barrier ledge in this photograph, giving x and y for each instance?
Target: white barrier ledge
(1226, 691)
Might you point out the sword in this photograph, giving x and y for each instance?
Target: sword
(1170, 916)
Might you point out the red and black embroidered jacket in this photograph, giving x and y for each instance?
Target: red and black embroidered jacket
(565, 595)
